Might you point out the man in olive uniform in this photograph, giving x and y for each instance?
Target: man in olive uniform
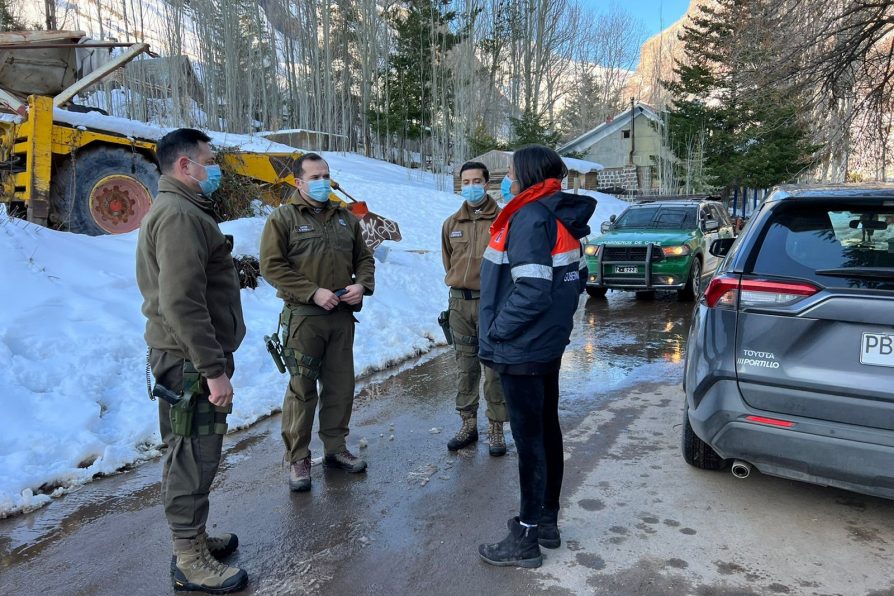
(464, 237)
(194, 324)
(313, 253)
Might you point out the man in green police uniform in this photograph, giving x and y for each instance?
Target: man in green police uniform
(313, 253)
(464, 237)
(194, 324)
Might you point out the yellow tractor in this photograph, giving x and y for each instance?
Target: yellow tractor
(92, 174)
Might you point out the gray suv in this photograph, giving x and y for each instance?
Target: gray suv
(790, 359)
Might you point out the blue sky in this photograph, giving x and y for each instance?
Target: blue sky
(653, 14)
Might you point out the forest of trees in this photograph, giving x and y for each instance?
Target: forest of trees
(773, 91)
(422, 81)
(761, 91)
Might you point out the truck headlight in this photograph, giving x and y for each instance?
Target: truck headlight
(591, 250)
(676, 251)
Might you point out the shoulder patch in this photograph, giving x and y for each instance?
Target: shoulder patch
(305, 228)
(456, 234)
(342, 221)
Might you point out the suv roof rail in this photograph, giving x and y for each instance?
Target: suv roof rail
(655, 198)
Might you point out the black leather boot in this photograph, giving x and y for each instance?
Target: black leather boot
(519, 548)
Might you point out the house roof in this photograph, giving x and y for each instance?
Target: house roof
(605, 129)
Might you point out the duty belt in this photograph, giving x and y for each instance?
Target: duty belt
(465, 294)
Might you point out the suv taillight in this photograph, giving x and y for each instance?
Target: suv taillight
(729, 292)
(722, 292)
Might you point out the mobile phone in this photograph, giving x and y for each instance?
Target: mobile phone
(341, 292)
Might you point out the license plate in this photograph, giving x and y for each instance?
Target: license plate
(625, 269)
(877, 349)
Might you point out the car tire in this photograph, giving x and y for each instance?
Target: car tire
(597, 292)
(693, 287)
(696, 452)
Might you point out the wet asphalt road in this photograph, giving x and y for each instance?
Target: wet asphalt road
(635, 519)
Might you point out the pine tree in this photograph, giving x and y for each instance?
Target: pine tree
(424, 36)
(529, 129)
(753, 134)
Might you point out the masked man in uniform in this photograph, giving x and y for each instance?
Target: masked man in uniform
(464, 237)
(313, 253)
(194, 324)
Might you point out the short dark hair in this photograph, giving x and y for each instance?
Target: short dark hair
(475, 165)
(183, 141)
(299, 163)
(536, 163)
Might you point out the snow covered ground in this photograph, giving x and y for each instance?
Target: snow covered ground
(72, 384)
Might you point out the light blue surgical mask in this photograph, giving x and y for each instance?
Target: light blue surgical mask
(505, 188)
(212, 179)
(473, 193)
(319, 190)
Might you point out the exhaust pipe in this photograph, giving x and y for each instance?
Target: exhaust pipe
(741, 469)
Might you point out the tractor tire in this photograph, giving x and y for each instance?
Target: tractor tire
(596, 292)
(693, 288)
(104, 190)
(696, 452)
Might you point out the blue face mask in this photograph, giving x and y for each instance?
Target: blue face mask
(212, 180)
(473, 193)
(505, 187)
(319, 190)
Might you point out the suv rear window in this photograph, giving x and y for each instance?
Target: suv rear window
(836, 245)
(657, 217)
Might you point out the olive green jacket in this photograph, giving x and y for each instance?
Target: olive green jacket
(189, 284)
(464, 236)
(302, 251)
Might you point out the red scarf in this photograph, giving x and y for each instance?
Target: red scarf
(548, 187)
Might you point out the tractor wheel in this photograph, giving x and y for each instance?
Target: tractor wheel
(106, 190)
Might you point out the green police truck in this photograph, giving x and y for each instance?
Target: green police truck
(657, 245)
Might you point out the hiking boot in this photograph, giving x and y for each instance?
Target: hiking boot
(346, 461)
(548, 536)
(496, 439)
(299, 475)
(519, 548)
(222, 546)
(467, 434)
(194, 569)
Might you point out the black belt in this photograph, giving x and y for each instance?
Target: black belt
(465, 294)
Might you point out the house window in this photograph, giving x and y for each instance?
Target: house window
(626, 134)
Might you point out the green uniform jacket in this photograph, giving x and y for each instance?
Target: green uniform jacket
(302, 251)
(189, 284)
(464, 236)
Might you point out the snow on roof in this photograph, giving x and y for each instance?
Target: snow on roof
(140, 130)
(596, 134)
(581, 165)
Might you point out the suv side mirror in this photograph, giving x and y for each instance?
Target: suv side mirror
(605, 227)
(712, 225)
(721, 246)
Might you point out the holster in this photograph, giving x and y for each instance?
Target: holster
(444, 322)
(192, 415)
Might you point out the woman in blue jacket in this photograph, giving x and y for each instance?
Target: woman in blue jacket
(531, 279)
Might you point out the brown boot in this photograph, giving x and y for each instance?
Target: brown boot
(194, 569)
(496, 439)
(299, 475)
(467, 434)
(346, 461)
(222, 546)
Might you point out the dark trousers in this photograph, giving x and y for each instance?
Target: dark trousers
(190, 463)
(533, 404)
